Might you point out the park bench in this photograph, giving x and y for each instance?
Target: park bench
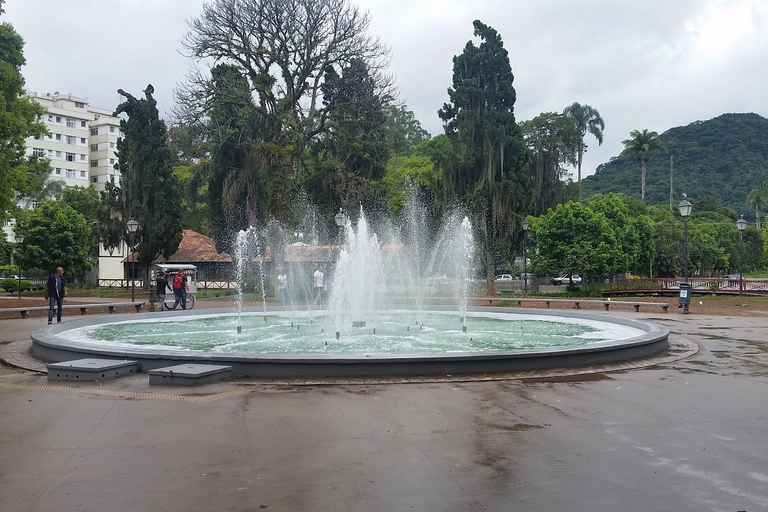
(82, 307)
(576, 302)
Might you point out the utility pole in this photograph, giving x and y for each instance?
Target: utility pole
(670, 183)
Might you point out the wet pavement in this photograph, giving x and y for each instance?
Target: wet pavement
(686, 434)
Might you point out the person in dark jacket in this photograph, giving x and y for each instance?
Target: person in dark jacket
(55, 291)
(160, 289)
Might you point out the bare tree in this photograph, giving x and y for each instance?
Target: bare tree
(283, 48)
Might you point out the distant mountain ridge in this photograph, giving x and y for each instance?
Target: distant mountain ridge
(725, 157)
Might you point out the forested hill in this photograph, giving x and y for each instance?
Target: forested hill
(725, 157)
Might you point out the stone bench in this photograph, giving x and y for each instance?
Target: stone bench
(91, 369)
(82, 307)
(576, 302)
(189, 374)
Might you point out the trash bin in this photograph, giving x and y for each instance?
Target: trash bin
(685, 294)
(152, 295)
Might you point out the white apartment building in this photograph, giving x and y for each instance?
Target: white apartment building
(81, 146)
(82, 143)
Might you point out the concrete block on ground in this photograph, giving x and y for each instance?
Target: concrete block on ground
(91, 369)
(189, 374)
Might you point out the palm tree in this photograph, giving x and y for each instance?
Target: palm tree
(642, 143)
(587, 119)
(757, 199)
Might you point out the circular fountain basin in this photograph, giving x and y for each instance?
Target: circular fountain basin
(281, 343)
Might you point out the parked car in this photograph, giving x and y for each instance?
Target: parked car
(564, 279)
(16, 277)
(504, 277)
(733, 279)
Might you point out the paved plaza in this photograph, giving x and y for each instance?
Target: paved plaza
(684, 432)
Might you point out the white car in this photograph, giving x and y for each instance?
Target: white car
(564, 279)
(504, 277)
(16, 277)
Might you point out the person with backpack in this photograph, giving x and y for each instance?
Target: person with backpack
(180, 290)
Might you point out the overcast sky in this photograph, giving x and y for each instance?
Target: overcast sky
(655, 64)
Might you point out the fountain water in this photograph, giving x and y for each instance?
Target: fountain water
(379, 291)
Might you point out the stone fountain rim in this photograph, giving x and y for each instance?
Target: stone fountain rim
(47, 345)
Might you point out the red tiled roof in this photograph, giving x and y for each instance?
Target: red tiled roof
(197, 248)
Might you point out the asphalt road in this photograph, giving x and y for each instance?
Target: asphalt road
(691, 435)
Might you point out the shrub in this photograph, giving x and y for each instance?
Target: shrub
(10, 284)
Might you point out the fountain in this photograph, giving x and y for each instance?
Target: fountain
(378, 319)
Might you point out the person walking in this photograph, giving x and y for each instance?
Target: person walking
(317, 280)
(55, 291)
(282, 287)
(180, 290)
(161, 285)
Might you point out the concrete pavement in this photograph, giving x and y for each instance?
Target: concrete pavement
(683, 435)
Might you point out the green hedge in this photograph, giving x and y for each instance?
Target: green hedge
(10, 284)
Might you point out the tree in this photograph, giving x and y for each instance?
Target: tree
(19, 119)
(758, 199)
(41, 185)
(148, 191)
(356, 120)
(487, 170)
(409, 174)
(572, 239)
(55, 235)
(86, 201)
(639, 146)
(403, 130)
(634, 233)
(587, 119)
(553, 140)
(283, 49)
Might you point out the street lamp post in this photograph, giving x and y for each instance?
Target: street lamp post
(525, 225)
(685, 208)
(133, 226)
(741, 224)
(19, 240)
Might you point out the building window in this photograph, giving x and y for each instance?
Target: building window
(111, 129)
(94, 131)
(83, 158)
(50, 153)
(71, 123)
(34, 203)
(58, 119)
(70, 157)
(94, 179)
(50, 118)
(83, 124)
(38, 151)
(58, 136)
(58, 154)
(83, 141)
(71, 139)
(71, 173)
(96, 117)
(79, 104)
(94, 163)
(111, 161)
(111, 145)
(57, 170)
(82, 174)
(94, 147)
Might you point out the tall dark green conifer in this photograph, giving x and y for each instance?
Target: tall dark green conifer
(488, 170)
(148, 190)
